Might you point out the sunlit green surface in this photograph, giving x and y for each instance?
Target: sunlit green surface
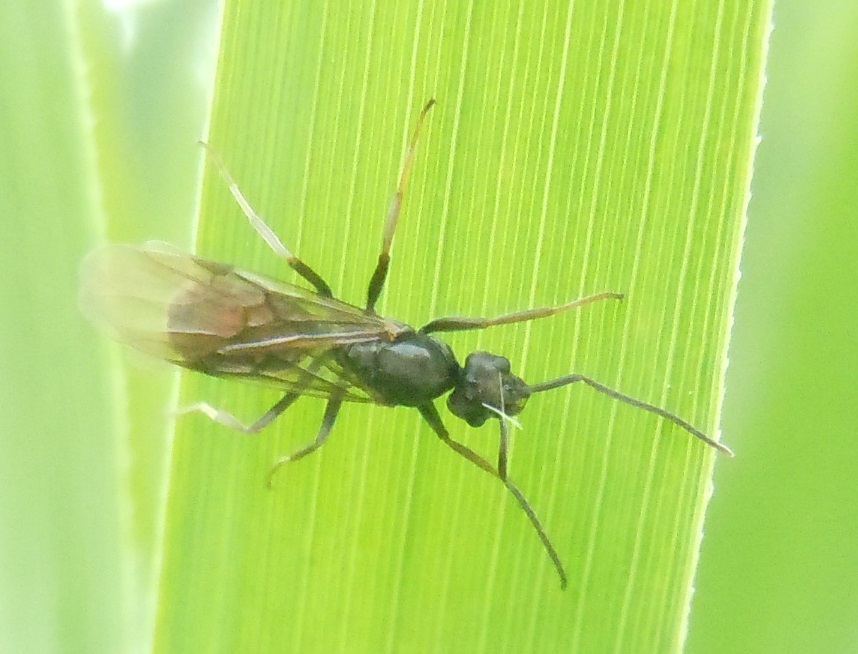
(570, 152)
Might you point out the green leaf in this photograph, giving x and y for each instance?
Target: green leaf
(55, 521)
(575, 148)
(141, 123)
(89, 154)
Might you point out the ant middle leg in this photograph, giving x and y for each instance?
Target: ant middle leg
(331, 411)
(376, 282)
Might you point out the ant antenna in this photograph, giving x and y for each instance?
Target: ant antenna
(640, 404)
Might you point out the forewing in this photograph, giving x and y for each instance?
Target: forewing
(211, 317)
(316, 373)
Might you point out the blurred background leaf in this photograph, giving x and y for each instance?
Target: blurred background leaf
(100, 114)
(779, 565)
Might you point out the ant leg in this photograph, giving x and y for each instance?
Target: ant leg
(324, 431)
(503, 441)
(376, 282)
(503, 449)
(457, 324)
(627, 399)
(228, 420)
(264, 230)
(540, 531)
(430, 414)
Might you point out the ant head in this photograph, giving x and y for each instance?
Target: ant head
(486, 389)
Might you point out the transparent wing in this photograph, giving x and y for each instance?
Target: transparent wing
(225, 322)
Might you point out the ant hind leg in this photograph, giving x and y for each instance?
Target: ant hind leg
(228, 420)
(265, 231)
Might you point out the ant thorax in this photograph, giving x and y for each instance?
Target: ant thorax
(410, 371)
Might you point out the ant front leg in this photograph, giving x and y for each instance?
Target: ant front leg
(458, 324)
(430, 414)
